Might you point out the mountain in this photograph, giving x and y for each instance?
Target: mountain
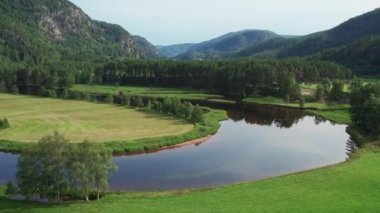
(148, 49)
(41, 30)
(171, 51)
(267, 49)
(352, 30)
(339, 44)
(230, 42)
(363, 56)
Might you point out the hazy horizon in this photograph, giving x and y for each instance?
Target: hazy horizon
(191, 21)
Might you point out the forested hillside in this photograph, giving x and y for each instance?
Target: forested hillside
(37, 31)
(352, 38)
(230, 42)
(362, 56)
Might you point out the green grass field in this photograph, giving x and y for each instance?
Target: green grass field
(370, 79)
(31, 118)
(147, 91)
(336, 112)
(348, 187)
(281, 102)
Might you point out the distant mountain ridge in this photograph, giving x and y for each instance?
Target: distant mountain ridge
(171, 51)
(234, 41)
(352, 30)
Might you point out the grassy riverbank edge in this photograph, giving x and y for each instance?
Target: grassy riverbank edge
(208, 126)
(348, 187)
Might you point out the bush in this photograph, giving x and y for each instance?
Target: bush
(4, 123)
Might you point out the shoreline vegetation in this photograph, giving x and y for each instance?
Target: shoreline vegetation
(336, 112)
(201, 129)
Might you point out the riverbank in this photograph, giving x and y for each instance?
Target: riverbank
(346, 187)
(336, 112)
(139, 130)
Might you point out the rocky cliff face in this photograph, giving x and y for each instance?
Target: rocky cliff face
(61, 23)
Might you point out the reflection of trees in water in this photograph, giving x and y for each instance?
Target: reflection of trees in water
(267, 116)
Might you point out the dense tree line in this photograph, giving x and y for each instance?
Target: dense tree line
(232, 78)
(174, 106)
(362, 56)
(167, 105)
(365, 107)
(54, 168)
(31, 79)
(235, 79)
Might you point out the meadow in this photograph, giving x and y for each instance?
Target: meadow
(32, 117)
(153, 92)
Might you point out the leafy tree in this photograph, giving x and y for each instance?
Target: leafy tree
(326, 84)
(103, 168)
(83, 166)
(10, 189)
(288, 86)
(337, 91)
(41, 168)
(365, 107)
(196, 114)
(53, 166)
(188, 110)
(320, 93)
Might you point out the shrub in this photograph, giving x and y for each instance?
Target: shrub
(4, 123)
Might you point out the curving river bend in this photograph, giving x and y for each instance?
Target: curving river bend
(260, 143)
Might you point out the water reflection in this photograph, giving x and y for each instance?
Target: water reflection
(267, 116)
(254, 143)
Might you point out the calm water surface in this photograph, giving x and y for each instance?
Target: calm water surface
(249, 146)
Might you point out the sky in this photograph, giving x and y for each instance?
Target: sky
(165, 22)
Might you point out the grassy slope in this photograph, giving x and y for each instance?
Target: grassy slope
(146, 91)
(31, 118)
(348, 187)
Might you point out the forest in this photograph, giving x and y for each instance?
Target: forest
(233, 79)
